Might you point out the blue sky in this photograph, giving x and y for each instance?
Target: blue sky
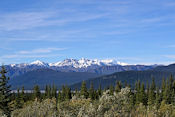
(131, 31)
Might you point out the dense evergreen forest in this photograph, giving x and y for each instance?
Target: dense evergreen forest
(150, 100)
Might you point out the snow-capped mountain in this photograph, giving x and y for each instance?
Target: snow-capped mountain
(105, 66)
(81, 63)
(39, 63)
(84, 63)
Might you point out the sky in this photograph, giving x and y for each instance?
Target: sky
(130, 31)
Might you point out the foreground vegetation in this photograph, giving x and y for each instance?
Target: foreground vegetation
(113, 101)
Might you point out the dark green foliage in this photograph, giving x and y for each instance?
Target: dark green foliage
(84, 90)
(173, 93)
(137, 94)
(63, 94)
(36, 92)
(5, 94)
(23, 96)
(158, 98)
(118, 86)
(128, 76)
(111, 89)
(54, 91)
(48, 93)
(18, 101)
(99, 92)
(151, 93)
(163, 86)
(142, 95)
(59, 98)
(67, 93)
(92, 92)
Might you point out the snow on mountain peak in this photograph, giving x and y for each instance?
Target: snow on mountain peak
(39, 63)
(84, 63)
(12, 65)
(81, 63)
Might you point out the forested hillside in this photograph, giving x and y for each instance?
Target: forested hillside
(43, 77)
(131, 77)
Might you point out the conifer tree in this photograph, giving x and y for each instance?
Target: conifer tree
(5, 93)
(147, 91)
(173, 93)
(46, 91)
(77, 92)
(132, 99)
(59, 98)
(63, 93)
(171, 80)
(23, 97)
(54, 91)
(111, 89)
(37, 93)
(49, 92)
(158, 98)
(137, 89)
(84, 90)
(18, 100)
(67, 93)
(91, 92)
(151, 95)
(167, 93)
(118, 87)
(142, 94)
(99, 91)
(163, 86)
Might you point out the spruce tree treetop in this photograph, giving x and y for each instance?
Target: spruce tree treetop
(37, 92)
(91, 92)
(84, 89)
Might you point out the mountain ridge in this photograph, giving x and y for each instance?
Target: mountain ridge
(76, 63)
(105, 66)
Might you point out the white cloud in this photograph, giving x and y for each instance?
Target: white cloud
(27, 20)
(13, 56)
(36, 53)
(41, 50)
(169, 56)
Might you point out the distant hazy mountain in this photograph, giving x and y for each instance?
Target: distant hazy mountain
(43, 77)
(131, 77)
(73, 65)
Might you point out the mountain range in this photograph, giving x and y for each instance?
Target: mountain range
(106, 66)
(68, 71)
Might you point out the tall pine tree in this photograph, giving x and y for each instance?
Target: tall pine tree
(37, 93)
(92, 92)
(151, 94)
(118, 87)
(83, 91)
(5, 93)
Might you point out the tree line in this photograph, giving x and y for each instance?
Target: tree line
(149, 95)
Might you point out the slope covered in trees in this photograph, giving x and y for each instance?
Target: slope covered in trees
(126, 77)
(131, 77)
(44, 77)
